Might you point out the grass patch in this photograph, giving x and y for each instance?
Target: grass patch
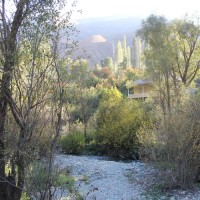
(85, 179)
(156, 193)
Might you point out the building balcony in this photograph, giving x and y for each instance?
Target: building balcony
(138, 95)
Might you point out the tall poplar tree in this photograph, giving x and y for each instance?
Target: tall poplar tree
(120, 54)
(136, 52)
(128, 56)
(125, 47)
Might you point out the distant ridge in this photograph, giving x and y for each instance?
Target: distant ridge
(98, 36)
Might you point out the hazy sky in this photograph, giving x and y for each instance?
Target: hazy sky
(138, 8)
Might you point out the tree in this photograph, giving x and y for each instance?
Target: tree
(158, 56)
(136, 52)
(128, 57)
(171, 57)
(103, 73)
(81, 74)
(108, 62)
(125, 47)
(120, 53)
(185, 41)
(27, 101)
(37, 21)
(172, 62)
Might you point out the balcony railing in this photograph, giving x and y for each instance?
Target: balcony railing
(138, 95)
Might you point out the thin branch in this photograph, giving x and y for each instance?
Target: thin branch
(14, 108)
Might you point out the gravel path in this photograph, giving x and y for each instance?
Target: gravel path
(101, 179)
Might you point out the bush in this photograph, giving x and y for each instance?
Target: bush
(118, 123)
(177, 142)
(72, 143)
(39, 181)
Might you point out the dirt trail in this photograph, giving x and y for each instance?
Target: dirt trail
(101, 179)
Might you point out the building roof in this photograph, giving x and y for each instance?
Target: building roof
(141, 82)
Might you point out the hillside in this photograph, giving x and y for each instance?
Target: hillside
(98, 36)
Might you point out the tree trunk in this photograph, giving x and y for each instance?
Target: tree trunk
(3, 106)
(5, 86)
(85, 129)
(168, 91)
(21, 178)
(6, 189)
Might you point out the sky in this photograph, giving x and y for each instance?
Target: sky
(137, 8)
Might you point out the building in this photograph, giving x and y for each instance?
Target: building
(140, 89)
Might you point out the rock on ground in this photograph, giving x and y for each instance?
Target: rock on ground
(98, 178)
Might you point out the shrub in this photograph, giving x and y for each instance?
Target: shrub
(177, 142)
(39, 181)
(72, 143)
(118, 123)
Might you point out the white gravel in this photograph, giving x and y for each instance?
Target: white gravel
(101, 179)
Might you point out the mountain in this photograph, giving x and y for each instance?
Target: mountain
(99, 36)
